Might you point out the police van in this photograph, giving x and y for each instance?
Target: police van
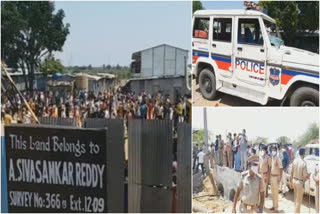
(241, 53)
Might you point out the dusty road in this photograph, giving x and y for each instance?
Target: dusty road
(222, 99)
(210, 201)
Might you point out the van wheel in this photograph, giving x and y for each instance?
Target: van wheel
(207, 84)
(305, 96)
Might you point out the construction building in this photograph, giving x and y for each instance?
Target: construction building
(159, 69)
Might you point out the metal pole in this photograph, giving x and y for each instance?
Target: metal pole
(186, 75)
(205, 130)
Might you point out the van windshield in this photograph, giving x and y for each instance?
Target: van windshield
(273, 33)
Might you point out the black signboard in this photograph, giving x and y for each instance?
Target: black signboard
(56, 169)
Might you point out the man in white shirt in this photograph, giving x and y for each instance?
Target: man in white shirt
(200, 156)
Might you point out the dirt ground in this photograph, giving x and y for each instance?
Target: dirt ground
(222, 99)
(207, 199)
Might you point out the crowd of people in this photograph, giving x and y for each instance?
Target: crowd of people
(261, 165)
(114, 104)
(231, 152)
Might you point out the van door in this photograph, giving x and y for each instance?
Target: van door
(250, 52)
(221, 44)
(200, 38)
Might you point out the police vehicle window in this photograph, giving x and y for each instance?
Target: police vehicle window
(222, 29)
(249, 32)
(201, 28)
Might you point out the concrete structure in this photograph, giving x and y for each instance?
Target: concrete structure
(159, 69)
(227, 181)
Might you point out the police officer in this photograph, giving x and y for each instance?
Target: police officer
(316, 180)
(243, 150)
(263, 167)
(250, 190)
(275, 165)
(229, 150)
(297, 178)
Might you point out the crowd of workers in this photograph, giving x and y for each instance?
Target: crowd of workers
(110, 105)
(261, 166)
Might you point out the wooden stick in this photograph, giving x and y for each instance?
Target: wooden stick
(15, 87)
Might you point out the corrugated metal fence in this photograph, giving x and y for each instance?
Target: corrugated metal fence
(150, 165)
(184, 168)
(115, 155)
(57, 121)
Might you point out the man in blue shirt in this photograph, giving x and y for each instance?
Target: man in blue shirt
(285, 163)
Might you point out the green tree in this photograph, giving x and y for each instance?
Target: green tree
(31, 31)
(283, 139)
(311, 133)
(293, 16)
(196, 5)
(198, 137)
(260, 139)
(308, 17)
(51, 66)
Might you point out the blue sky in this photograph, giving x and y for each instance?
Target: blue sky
(109, 32)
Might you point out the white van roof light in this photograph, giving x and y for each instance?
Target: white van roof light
(249, 5)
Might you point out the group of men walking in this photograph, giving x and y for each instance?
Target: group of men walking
(253, 186)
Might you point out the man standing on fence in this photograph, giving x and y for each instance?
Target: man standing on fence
(243, 150)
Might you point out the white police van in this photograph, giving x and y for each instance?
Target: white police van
(241, 53)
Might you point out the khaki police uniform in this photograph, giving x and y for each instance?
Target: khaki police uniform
(275, 165)
(316, 174)
(264, 169)
(229, 153)
(251, 187)
(299, 167)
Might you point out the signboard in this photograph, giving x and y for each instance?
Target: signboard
(54, 169)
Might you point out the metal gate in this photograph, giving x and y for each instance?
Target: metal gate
(150, 165)
(58, 121)
(184, 168)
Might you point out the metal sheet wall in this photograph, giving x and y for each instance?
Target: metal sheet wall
(115, 159)
(184, 168)
(95, 123)
(58, 121)
(150, 165)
